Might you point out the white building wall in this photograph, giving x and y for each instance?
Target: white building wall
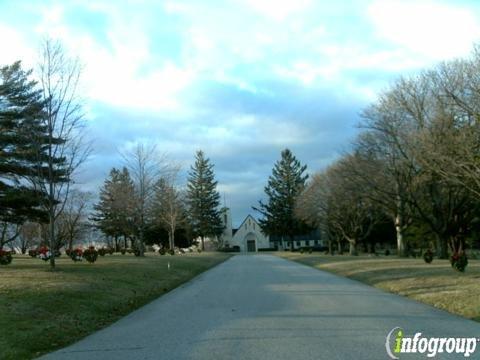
(249, 230)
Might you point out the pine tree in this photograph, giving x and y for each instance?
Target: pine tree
(203, 199)
(114, 213)
(21, 138)
(284, 186)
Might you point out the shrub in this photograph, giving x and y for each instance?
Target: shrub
(90, 254)
(5, 257)
(110, 250)
(162, 251)
(123, 251)
(171, 252)
(199, 250)
(33, 253)
(387, 252)
(68, 252)
(428, 256)
(102, 251)
(130, 251)
(459, 261)
(301, 251)
(44, 253)
(310, 250)
(76, 255)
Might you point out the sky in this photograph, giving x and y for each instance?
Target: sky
(241, 80)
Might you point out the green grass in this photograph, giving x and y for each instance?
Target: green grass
(436, 284)
(41, 310)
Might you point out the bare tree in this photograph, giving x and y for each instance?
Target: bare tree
(63, 119)
(145, 166)
(169, 205)
(335, 202)
(73, 220)
(30, 235)
(9, 232)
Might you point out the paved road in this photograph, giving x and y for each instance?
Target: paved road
(263, 307)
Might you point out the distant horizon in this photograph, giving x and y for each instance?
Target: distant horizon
(239, 80)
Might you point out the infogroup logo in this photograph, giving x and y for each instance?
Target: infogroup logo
(396, 343)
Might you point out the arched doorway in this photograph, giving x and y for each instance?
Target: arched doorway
(250, 242)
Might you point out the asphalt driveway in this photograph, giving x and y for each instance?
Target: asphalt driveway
(264, 307)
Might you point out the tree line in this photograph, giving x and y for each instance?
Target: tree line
(42, 145)
(144, 202)
(414, 166)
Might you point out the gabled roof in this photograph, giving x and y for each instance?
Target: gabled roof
(244, 221)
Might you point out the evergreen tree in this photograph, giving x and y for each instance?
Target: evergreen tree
(203, 199)
(21, 136)
(114, 213)
(284, 186)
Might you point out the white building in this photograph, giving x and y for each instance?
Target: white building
(248, 237)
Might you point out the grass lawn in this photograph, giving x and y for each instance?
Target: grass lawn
(41, 310)
(436, 284)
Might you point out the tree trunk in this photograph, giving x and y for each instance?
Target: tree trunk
(51, 214)
(353, 248)
(442, 247)
(141, 248)
(339, 245)
(330, 250)
(171, 240)
(203, 243)
(399, 226)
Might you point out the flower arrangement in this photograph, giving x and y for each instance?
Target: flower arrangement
(459, 261)
(5, 257)
(76, 254)
(428, 256)
(90, 254)
(44, 253)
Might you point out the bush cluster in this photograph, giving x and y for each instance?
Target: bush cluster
(5, 257)
(90, 254)
(459, 261)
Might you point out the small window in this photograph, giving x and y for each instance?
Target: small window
(307, 242)
(316, 242)
(298, 243)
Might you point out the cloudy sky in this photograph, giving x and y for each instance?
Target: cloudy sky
(241, 80)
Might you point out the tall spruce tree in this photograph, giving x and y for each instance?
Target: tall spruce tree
(114, 213)
(284, 186)
(21, 136)
(203, 200)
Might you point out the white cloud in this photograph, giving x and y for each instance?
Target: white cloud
(15, 47)
(430, 29)
(119, 72)
(278, 9)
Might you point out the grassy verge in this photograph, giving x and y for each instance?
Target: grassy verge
(41, 310)
(436, 284)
